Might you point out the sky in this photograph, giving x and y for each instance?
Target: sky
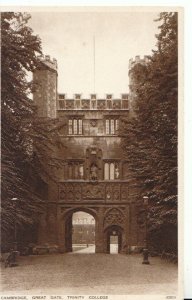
(69, 37)
(118, 36)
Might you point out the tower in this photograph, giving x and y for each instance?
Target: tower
(132, 84)
(45, 80)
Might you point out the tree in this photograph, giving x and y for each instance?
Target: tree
(150, 136)
(26, 139)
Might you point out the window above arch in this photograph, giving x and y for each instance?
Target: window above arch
(111, 171)
(74, 170)
(75, 126)
(111, 126)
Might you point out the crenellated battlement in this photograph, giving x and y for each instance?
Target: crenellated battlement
(46, 60)
(93, 102)
(138, 59)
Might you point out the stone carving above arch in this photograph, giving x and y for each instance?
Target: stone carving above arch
(124, 192)
(116, 192)
(70, 192)
(114, 217)
(86, 191)
(91, 191)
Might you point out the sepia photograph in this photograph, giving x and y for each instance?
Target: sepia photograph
(90, 104)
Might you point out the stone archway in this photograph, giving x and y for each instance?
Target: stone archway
(83, 233)
(115, 221)
(65, 237)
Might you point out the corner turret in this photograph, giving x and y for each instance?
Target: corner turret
(45, 81)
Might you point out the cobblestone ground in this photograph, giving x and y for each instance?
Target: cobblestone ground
(82, 273)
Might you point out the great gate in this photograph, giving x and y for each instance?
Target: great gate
(92, 175)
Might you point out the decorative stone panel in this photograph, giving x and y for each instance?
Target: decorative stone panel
(85, 191)
(124, 192)
(93, 191)
(93, 123)
(69, 104)
(101, 104)
(114, 217)
(116, 192)
(116, 104)
(85, 104)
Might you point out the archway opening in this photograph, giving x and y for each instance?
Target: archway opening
(83, 232)
(114, 244)
(114, 239)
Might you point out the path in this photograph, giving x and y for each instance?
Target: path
(90, 274)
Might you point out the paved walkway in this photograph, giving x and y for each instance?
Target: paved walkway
(91, 249)
(89, 274)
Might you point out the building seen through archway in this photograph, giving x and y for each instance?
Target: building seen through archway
(83, 233)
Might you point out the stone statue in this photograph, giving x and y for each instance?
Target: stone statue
(93, 172)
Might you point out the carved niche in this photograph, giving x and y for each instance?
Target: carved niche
(77, 192)
(70, 192)
(114, 217)
(63, 192)
(93, 164)
(109, 192)
(116, 192)
(124, 192)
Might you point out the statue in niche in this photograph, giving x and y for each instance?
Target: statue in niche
(93, 172)
(116, 172)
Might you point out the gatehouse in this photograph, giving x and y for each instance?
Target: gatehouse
(91, 174)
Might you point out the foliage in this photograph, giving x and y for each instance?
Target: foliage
(25, 137)
(150, 136)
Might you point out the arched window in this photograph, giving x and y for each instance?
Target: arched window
(106, 171)
(80, 126)
(70, 126)
(107, 126)
(117, 171)
(116, 124)
(75, 126)
(111, 171)
(81, 171)
(112, 126)
(75, 170)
